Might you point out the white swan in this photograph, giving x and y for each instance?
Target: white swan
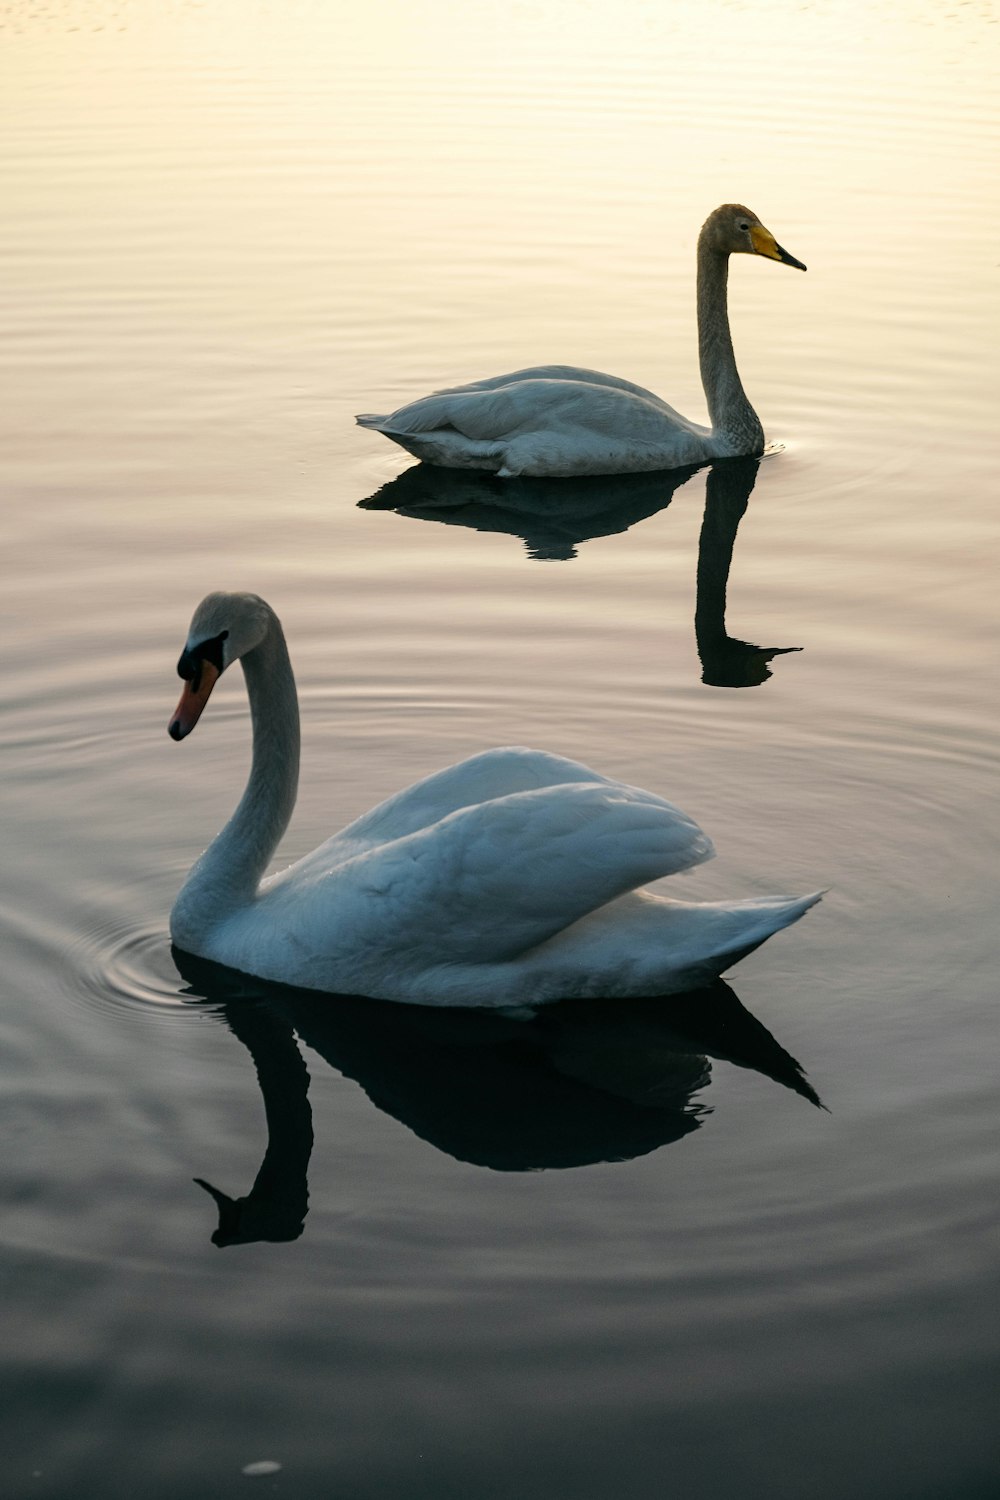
(559, 421)
(507, 879)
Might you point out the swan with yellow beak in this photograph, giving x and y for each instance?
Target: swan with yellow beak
(558, 421)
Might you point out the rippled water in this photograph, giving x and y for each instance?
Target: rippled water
(582, 1253)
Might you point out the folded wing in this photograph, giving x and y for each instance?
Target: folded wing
(488, 882)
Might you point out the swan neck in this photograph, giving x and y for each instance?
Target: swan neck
(229, 872)
(269, 799)
(733, 419)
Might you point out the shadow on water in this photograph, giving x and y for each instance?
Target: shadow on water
(567, 1085)
(555, 516)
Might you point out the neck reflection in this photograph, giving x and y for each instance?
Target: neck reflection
(726, 661)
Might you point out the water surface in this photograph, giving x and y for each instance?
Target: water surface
(578, 1254)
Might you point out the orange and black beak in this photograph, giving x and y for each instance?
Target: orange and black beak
(193, 699)
(201, 667)
(765, 244)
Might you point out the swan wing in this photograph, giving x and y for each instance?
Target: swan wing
(496, 413)
(576, 373)
(490, 881)
(540, 424)
(477, 780)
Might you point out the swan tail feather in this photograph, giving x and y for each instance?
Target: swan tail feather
(655, 945)
(480, 416)
(749, 924)
(436, 441)
(769, 915)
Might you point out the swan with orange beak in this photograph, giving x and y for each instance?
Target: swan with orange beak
(513, 877)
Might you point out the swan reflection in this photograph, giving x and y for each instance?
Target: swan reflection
(553, 517)
(725, 661)
(568, 1085)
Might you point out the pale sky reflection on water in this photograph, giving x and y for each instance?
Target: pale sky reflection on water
(228, 227)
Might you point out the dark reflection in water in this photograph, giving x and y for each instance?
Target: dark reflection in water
(725, 661)
(554, 516)
(570, 1084)
(276, 1206)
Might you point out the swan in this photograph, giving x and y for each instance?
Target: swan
(508, 879)
(558, 421)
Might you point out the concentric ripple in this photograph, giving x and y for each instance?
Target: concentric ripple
(127, 968)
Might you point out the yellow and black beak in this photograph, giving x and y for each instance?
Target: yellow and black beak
(765, 244)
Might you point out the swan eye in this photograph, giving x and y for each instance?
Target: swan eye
(189, 664)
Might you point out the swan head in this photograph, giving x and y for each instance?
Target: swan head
(733, 229)
(224, 628)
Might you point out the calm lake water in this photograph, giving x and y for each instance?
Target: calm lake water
(598, 1252)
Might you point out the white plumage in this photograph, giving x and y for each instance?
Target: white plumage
(510, 878)
(559, 421)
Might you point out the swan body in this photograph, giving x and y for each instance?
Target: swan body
(559, 421)
(511, 878)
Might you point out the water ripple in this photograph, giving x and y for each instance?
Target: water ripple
(121, 967)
